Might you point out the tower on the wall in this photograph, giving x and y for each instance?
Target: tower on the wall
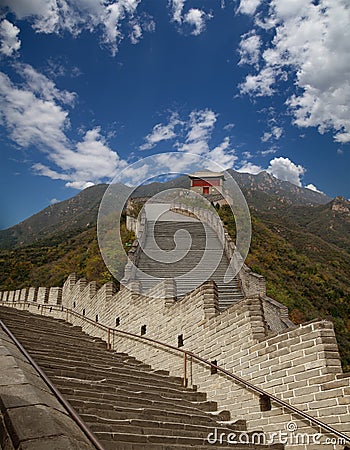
(207, 182)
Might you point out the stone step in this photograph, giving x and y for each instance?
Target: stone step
(109, 410)
(97, 423)
(87, 391)
(149, 440)
(105, 406)
(124, 372)
(114, 380)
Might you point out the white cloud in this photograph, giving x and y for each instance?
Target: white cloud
(194, 17)
(32, 120)
(284, 169)
(260, 84)
(223, 154)
(311, 45)
(10, 43)
(136, 33)
(229, 126)
(177, 8)
(312, 187)
(34, 116)
(249, 48)
(161, 133)
(269, 151)
(274, 134)
(50, 16)
(201, 125)
(248, 167)
(43, 87)
(197, 129)
(79, 184)
(53, 201)
(248, 6)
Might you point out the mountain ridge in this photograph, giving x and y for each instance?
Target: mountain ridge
(81, 209)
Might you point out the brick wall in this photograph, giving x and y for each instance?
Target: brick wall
(300, 365)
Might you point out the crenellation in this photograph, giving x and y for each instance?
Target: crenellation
(55, 296)
(43, 294)
(23, 295)
(32, 294)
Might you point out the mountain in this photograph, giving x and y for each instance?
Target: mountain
(275, 192)
(63, 219)
(67, 218)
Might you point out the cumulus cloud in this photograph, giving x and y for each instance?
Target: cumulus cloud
(249, 48)
(194, 17)
(50, 16)
(261, 84)
(248, 167)
(312, 187)
(177, 7)
(31, 120)
(284, 169)
(310, 44)
(33, 113)
(9, 41)
(248, 6)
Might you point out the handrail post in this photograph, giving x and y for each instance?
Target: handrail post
(185, 370)
(191, 371)
(109, 338)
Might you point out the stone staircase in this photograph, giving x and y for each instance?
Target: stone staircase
(125, 403)
(203, 237)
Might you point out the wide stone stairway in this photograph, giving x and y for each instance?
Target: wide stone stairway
(192, 269)
(125, 403)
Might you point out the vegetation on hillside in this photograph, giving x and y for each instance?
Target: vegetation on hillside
(49, 263)
(303, 271)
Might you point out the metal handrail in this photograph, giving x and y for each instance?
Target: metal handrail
(74, 415)
(187, 353)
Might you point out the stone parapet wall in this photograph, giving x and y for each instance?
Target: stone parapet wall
(300, 366)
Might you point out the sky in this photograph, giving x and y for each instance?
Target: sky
(88, 87)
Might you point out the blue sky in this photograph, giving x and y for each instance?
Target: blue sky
(89, 86)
